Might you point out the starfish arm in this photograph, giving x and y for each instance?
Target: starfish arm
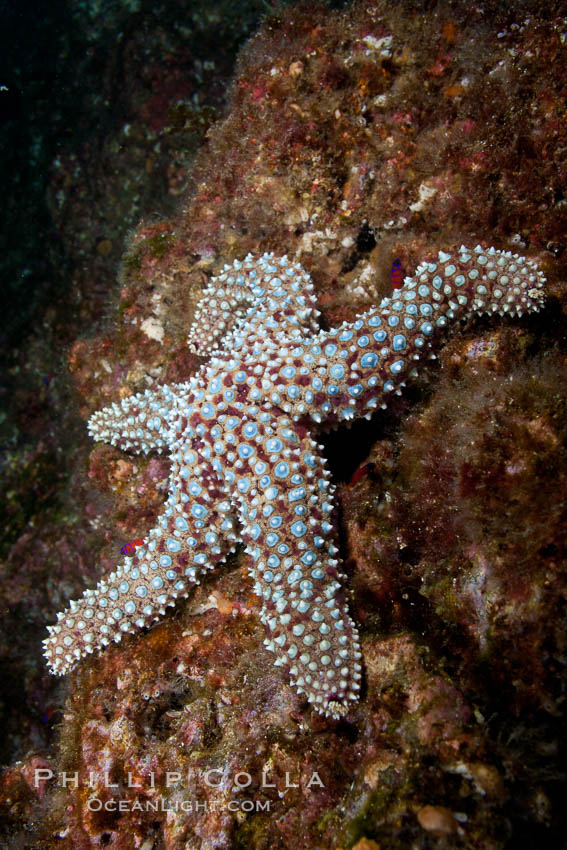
(139, 423)
(284, 499)
(347, 372)
(250, 299)
(195, 532)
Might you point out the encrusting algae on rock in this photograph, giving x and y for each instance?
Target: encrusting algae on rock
(245, 468)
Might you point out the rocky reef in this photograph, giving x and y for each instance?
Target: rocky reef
(352, 137)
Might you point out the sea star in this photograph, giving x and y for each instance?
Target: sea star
(245, 468)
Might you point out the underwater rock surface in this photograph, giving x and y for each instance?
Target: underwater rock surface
(352, 138)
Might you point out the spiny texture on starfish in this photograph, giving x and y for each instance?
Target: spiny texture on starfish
(245, 468)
